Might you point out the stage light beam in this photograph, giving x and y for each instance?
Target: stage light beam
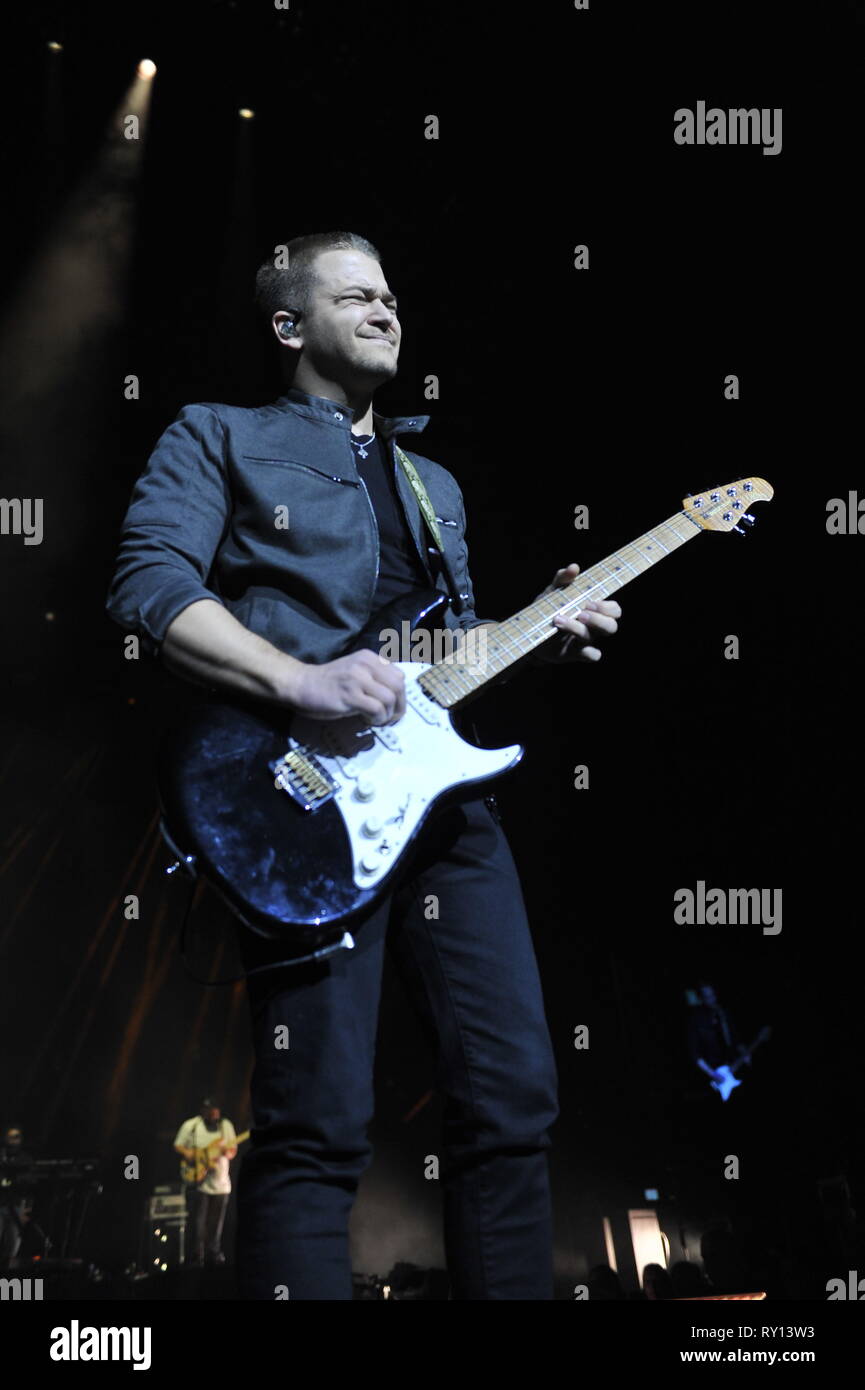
(76, 281)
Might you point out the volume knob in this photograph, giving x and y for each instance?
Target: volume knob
(365, 789)
(372, 827)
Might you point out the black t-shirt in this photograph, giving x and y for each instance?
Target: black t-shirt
(400, 568)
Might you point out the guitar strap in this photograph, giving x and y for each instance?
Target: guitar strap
(427, 510)
(420, 492)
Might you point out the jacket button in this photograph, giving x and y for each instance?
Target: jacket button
(336, 415)
(412, 422)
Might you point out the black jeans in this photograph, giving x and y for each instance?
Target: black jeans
(470, 971)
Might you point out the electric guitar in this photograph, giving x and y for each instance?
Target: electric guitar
(729, 1081)
(195, 1170)
(302, 823)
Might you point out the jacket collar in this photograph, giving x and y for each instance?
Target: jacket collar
(333, 413)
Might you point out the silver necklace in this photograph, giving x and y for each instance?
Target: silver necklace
(362, 448)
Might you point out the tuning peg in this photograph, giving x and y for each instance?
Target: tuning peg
(749, 518)
(739, 531)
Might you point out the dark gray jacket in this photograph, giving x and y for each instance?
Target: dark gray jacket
(208, 518)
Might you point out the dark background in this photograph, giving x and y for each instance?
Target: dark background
(557, 388)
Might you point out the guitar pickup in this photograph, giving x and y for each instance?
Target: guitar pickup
(299, 773)
(389, 737)
(423, 705)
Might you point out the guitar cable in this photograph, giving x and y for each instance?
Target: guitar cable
(320, 954)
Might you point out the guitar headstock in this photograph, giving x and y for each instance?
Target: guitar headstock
(722, 508)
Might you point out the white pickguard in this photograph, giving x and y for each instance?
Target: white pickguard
(388, 777)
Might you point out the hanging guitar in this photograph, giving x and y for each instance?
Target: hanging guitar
(302, 823)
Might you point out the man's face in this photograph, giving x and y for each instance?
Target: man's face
(212, 1115)
(350, 331)
(708, 995)
(14, 1138)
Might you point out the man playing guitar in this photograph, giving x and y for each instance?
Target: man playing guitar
(256, 546)
(207, 1143)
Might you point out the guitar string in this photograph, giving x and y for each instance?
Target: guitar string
(577, 602)
(631, 546)
(512, 645)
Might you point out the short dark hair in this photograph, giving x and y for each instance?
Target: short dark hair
(289, 287)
